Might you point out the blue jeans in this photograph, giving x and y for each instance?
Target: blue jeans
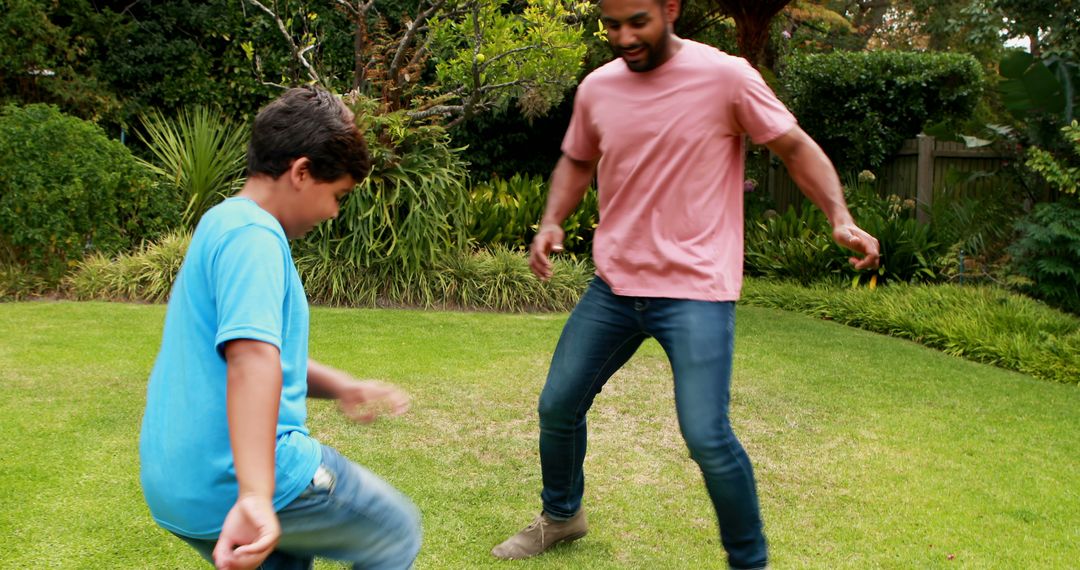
(603, 332)
(347, 513)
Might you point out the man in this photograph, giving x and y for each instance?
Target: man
(228, 464)
(662, 127)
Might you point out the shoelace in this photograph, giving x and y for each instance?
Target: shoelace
(539, 522)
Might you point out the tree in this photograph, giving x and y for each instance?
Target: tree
(752, 19)
(448, 59)
(50, 53)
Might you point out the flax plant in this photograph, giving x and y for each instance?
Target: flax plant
(201, 152)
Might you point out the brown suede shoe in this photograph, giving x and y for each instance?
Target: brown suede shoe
(540, 535)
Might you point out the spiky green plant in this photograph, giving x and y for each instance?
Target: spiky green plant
(201, 152)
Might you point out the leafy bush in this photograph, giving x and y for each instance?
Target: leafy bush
(1048, 253)
(145, 274)
(908, 248)
(983, 323)
(974, 231)
(878, 99)
(201, 154)
(497, 279)
(798, 244)
(16, 283)
(507, 212)
(1058, 171)
(68, 189)
(408, 214)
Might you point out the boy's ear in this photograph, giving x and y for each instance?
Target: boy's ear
(299, 172)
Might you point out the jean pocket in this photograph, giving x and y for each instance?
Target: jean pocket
(322, 483)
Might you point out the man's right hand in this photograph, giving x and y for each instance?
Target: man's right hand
(548, 240)
(249, 535)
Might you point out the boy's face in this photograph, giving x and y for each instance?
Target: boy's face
(314, 201)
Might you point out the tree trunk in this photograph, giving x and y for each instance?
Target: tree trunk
(752, 18)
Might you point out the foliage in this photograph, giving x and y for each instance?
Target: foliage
(495, 279)
(1052, 26)
(200, 154)
(985, 324)
(493, 55)
(17, 283)
(1034, 87)
(145, 274)
(69, 190)
(1048, 253)
(51, 53)
(795, 245)
(881, 99)
(444, 60)
(974, 230)
(1059, 173)
(798, 244)
(408, 213)
(506, 212)
(908, 247)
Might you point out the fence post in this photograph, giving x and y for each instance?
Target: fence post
(925, 179)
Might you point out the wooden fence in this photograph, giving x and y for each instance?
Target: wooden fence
(923, 169)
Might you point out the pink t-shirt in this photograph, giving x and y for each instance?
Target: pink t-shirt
(671, 169)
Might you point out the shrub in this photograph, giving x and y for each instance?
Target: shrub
(981, 323)
(1047, 253)
(16, 283)
(145, 274)
(796, 245)
(507, 213)
(67, 189)
(201, 154)
(496, 279)
(408, 214)
(908, 248)
(878, 99)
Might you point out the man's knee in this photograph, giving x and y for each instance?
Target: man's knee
(713, 449)
(555, 411)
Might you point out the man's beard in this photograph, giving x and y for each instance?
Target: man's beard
(653, 55)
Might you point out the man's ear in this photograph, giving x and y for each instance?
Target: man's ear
(672, 9)
(299, 171)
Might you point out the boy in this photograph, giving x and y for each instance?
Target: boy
(227, 463)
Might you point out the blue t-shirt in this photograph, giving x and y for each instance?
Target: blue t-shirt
(238, 281)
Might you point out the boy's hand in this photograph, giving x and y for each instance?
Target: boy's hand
(365, 401)
(249, 535)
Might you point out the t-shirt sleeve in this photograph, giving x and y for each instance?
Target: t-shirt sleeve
(581, 141)
(757, 109)
(248, 275)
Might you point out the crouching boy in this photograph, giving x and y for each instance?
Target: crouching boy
(228, 464)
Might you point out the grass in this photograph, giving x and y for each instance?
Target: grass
(871, 452)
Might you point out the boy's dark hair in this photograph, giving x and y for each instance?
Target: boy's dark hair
(307, 122)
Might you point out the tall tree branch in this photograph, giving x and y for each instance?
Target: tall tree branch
(297, 53)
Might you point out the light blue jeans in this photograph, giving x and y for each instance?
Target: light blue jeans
(603, 332)
(347, 513)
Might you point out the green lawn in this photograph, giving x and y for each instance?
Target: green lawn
(870, 452)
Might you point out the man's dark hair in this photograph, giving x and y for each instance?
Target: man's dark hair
(307, 122)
